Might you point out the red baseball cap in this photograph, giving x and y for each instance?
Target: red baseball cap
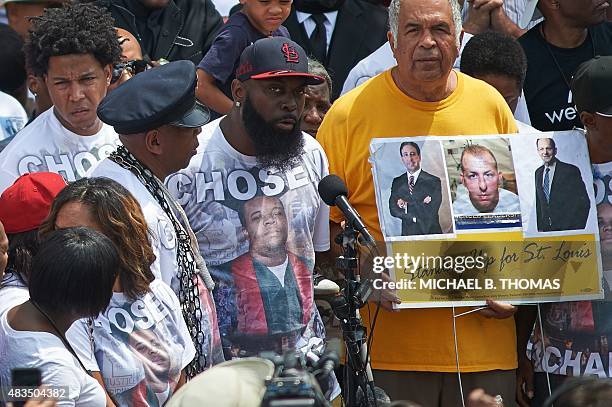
(275, 57)
(25, 204)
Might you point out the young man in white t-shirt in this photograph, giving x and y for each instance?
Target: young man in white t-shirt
(73, 49)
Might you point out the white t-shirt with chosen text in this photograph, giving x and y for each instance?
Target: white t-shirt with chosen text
(46, 145)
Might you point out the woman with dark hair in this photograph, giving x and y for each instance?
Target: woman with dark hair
(144, 313)
(23, 207)
(72, 277)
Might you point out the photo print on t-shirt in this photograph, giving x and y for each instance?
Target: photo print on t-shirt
(257, 229)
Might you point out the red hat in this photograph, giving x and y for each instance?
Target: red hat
(25, 204)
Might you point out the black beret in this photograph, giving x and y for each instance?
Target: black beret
(156, 97)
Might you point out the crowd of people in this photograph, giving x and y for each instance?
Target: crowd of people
(159, 164)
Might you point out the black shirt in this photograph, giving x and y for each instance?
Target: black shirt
(547, 93)
(183, 29)
(223, 57)
(148, 24)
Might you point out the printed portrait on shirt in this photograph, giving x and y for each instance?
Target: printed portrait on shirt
(258, 229)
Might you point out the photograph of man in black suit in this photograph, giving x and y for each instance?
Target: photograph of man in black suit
(562, 202)
(416, 195)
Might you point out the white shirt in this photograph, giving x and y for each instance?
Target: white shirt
(279, 271)
(219, 174)
(524, 128)
(46, 145)
(224, 6)
(164, 244)
(140, 345)
(163, 236)
(310, 24)
(16, 294)
(514, 9)
(415, 176)
(12, 117)
(551, 174)
(59, 367)
(508, 203)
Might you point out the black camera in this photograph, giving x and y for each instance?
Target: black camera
(133, 67)
(298, 382)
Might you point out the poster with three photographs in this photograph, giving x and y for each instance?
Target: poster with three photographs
(443, 198)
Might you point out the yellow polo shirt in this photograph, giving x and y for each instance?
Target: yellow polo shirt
(417, 339)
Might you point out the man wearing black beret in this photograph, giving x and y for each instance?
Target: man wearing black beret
(158, 121)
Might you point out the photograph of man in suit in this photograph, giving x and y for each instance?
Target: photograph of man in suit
(416, 195)
(562, 202)
(482, 179)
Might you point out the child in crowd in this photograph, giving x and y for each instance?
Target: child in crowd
(257, 19)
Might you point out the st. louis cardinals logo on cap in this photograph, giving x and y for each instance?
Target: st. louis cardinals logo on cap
(291, 55)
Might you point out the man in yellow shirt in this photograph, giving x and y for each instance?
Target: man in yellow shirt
(413, 353)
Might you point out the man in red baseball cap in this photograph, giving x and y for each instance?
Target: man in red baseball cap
(23, 207)
(258, 172)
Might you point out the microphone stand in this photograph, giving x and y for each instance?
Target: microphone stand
(358, 379)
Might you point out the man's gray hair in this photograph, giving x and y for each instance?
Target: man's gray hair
(394, 10)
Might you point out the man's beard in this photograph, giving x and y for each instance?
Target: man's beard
(273, 147)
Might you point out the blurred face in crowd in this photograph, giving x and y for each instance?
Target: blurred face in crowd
(583, 13)
(74, 214)
(316, 104)
(130, 49)
(76, 84)
(177, 145)
(546, 150)
(271, 111)
(598, 127)
(4, 244)
(506, 86)
(154, 3)
(266, 15)
(481, 178)
(411, 158)
(604, 219)
(18, 14)
(426, 47)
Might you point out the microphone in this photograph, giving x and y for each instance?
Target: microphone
(333, 191)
